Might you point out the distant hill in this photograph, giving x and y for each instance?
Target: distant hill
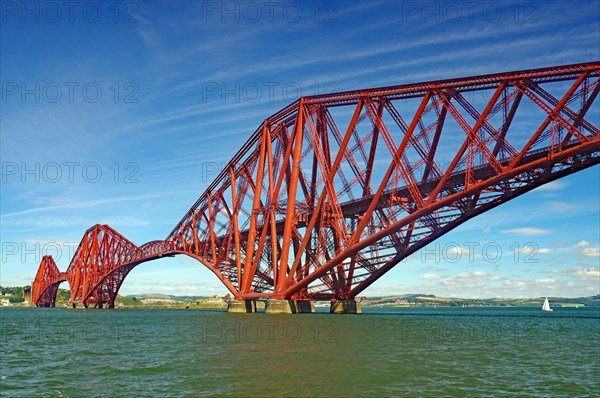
(166, 297)
(428, 300)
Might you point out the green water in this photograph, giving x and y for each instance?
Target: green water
(383, 352)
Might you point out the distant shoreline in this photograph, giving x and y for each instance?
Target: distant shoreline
(323, 304)
(13, 297)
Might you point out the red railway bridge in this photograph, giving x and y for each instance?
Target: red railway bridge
(332, 191)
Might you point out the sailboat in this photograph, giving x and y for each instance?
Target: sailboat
(546, 306)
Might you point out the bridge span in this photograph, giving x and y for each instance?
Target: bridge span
(332, 191)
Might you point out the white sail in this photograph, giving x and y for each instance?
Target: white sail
(546, 306)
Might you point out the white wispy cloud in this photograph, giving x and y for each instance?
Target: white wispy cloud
(435, 269)
(581, 245)
(535, 250)
(430, 276)
(548, 281)
(77, 205)
(483, 285)
(590, 252)
(527, 231)
(560, 207)
(552, 186)
(586, 273)
(50, 221)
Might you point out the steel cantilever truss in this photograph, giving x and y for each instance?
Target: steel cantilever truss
(46, 282)
(332, 191)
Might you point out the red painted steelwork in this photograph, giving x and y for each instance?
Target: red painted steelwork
(334, 190)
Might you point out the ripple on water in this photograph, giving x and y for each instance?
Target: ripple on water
(425, 352)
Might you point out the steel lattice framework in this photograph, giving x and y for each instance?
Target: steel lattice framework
(331, 192)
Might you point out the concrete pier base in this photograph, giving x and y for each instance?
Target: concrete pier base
(279, 307)
(289, 307)
(241, 306)
(345, 307)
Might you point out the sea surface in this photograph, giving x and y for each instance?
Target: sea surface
(405, 352)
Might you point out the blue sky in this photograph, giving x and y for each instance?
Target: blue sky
(120, 113)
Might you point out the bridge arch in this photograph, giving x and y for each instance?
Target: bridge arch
(101, 288)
